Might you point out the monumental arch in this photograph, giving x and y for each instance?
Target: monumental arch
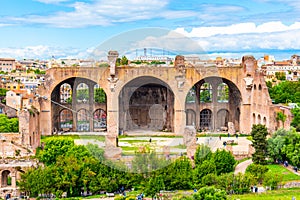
(156, 98)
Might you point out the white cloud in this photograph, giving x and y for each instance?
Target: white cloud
(241, 28)
(105, 12)
(236, 38)
(3, 25)
(43, 52)
(284, 40)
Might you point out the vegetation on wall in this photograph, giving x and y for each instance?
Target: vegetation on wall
(3, 95)
(287, 92)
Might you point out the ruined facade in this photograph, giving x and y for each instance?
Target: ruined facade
(156, 98)
(16, 150)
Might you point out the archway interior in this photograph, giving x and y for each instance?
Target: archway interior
(146, 103)
(212, 103)
(5, 177)
(75, 106)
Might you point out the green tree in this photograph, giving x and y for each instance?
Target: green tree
(284, 145)
(280, 116)
(178, 175)
(124, 60)
(269, 84)
(146, 161)
(37, 181)
(118, 62)
(209, 179)
(272, 180)
(3, 92)
(207, 167)
(280, 76)
(203, 153)
(100, 96)
(205, 93)
(275, 145)
(291, 148)
(154, 185)
(95, 151)
(242, 182)
(82, 94)
(69, 100)
(210, 193)
(205, 96)
(239, 183)
(296, 118)
(8, 125)
(224, 161)
(258, 171)
(38, 71)
(286, 91)
(259, 133)
(54, 147)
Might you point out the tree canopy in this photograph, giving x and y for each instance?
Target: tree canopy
(284, 146)
(75, 168)
(259, 133)
(8, 125)
(285, 92)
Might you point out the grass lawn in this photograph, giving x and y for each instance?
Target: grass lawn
(280, 170)
(283, 194)
(130, 148)
(180, 146)
(74, 137)
(134, 141)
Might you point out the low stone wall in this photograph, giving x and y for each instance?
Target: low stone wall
(292, 184)
(16, 137)
(11, 146)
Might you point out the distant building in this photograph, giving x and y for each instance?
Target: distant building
(8, 111)
(14, 85)
(292, 72)
(7, 64)
(19, 99)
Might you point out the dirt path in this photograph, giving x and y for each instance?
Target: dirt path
(242, 166)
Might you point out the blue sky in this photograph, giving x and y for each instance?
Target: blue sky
(75, 28)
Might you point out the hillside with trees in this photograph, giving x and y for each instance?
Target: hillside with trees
(287, 92)
(76, 169)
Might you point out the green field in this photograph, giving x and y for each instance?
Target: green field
(283, 172)
(284, 194)
(74, 137)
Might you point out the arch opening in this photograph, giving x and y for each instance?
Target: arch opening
(190, 117)
(219, 95)
(223, 117)
(83, 120)
(5, 178)
(146, 103)
(74, 102)
(100, 120)
(66, 119)
(206, 120)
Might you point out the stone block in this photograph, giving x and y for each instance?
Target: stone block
(189, 136)
(113, 153)
(231, 129)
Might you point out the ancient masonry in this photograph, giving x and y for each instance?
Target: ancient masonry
(179, 98)
(156, 98)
